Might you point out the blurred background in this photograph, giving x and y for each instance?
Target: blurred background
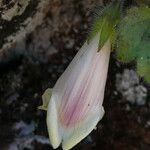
(38, 39)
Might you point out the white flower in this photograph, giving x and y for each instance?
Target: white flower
(75, 106)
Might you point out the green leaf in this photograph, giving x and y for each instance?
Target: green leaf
(134, 39)
(143, 68)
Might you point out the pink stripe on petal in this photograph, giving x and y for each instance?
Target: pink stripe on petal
(84, 99)
(84, 102)
(73, 111)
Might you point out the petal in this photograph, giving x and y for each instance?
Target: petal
(61, 85)
(73, 136)
(88, 91)
(78, 66)
(52, 123)
(46, 98)
(76, 103)
(94, 112)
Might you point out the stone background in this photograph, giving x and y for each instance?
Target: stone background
(35, 61)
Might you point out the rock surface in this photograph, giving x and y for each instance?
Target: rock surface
(18, 18)
(36, 62)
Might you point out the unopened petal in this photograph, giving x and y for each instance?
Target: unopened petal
(87, 93)
(63, 85)
(53, 124)
(90, 109)
(76, 68)
(74, 135)
(76, 103)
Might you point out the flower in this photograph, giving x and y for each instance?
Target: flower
(75, 106)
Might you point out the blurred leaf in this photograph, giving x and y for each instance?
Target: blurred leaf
(143, 2)
(143, 68)
(134, 39)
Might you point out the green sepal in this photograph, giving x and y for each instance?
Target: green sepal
(105, 24)
(46, 98)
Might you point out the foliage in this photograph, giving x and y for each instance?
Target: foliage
(143, 2)
(134, 39)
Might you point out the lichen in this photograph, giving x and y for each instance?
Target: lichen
(16, 10)
(15, 27)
